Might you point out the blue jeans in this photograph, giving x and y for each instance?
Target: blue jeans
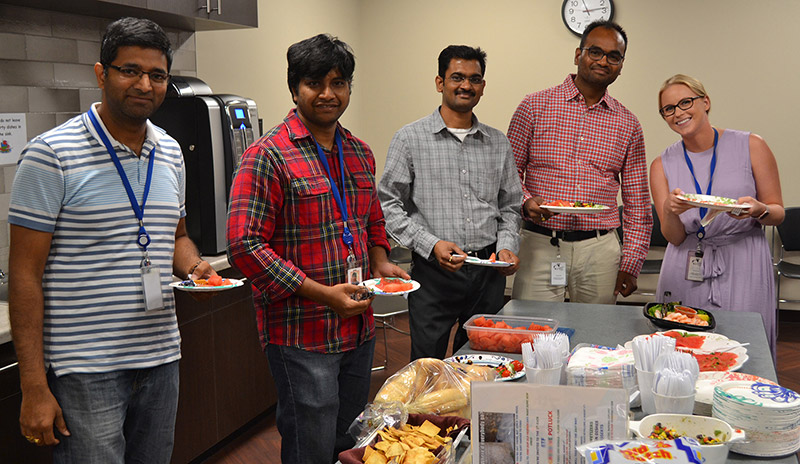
(319, 396)
(117, 417)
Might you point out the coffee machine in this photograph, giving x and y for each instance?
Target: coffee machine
(213, 131)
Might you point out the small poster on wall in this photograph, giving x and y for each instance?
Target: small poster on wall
(12, 137)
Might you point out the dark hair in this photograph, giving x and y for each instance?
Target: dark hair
(607, 25)
(465, 53)
(315, 57)
(138, 32)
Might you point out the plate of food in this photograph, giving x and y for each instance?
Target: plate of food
(713, 202)
(675, 315)
(391, 286)
(507, 368)
(714, 352)
(212, 284)
(573, 207)
(491, 262)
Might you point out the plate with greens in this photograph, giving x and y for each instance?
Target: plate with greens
(713, 202)
(675, 315)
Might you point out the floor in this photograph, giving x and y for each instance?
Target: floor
(259, 441)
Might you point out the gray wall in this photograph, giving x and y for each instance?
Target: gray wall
(46, 72)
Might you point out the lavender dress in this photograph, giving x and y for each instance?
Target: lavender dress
(737, 265)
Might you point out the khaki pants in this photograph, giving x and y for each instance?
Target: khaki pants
(592, 268)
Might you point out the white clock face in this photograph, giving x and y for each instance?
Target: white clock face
(577, 14)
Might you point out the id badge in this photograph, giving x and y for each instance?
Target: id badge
(558, 273)
(354, 274)
(151, 286)
(694, 267)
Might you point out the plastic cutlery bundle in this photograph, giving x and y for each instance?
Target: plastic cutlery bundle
(671, 383)
(647, 348)
(678, 361)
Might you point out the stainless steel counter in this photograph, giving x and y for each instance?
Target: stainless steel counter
(611, 325)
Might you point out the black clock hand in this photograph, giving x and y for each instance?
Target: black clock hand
(586, 8)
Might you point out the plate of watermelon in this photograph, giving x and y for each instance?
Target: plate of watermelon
(573, 207)
(212, 284)
(391, 286)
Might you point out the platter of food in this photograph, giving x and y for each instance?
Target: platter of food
(507, 368)
(573, 207)
(212, 284)
(714, 352)
(677, 316)
(391, 286)
(491, 262)
(712, 202)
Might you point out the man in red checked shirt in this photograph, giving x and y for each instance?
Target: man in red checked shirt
(574, 142)
(305, 221)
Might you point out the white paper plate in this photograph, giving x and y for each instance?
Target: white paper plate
(485, 262)
(372, 285)
(487, 360)
(233, 284)
(712, 202)
(706, 381)
(575, 210)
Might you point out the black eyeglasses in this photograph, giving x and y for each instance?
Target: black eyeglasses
(459, 78)
(156, 77)
(685, 104)
(597, 54)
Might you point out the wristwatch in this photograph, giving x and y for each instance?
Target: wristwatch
(764, 214)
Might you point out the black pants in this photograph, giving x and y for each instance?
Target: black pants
(447, 297)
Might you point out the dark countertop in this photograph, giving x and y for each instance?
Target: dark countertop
(613, 325)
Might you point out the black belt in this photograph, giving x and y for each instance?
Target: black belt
(484, 253)
(565, 235)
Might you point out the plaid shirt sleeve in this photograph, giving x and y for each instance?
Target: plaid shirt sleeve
(637, 213)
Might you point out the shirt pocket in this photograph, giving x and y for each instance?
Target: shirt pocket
(487, 187)
(363, 195)
(311, 200)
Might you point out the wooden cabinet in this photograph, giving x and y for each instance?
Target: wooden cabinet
(225, 378)
(193, 15)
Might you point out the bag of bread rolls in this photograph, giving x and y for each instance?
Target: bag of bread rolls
(432, 386)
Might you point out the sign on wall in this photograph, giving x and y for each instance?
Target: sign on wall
(12, 137)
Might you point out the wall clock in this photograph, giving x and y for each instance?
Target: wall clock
(577, 14)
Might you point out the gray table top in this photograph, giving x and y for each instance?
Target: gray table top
(611, 325)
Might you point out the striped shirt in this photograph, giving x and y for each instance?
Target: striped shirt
(566, 151)
(436, 187)
(284, 226)
(66, 184)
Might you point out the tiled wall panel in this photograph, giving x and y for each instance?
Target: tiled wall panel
(47, 72)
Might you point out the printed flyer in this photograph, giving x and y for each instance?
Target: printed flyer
(528, 423)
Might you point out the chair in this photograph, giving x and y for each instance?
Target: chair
(653, 266)
(789, 232)
(385, 308)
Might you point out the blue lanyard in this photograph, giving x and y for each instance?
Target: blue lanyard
(341, 198)
(702, 230)
(142, 238)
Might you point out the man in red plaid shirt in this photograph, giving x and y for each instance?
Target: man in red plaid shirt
(574, 142)
(305, 221)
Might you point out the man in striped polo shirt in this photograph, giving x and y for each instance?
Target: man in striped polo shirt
(97, 229)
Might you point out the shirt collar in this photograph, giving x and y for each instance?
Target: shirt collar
(151, 136)
(571, 93)
(298, 130)
(438, 124)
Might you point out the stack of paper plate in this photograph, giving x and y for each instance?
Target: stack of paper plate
(769, 415)
(706, 381)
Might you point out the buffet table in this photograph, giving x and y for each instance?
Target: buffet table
(613, 325)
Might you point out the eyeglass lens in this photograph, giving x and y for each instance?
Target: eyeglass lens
(597, 54)
(685, 104)
(134, 73)
(458, 78)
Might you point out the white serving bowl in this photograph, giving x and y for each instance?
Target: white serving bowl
(691, 426)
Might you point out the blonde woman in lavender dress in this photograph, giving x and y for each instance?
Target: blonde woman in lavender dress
(735, 272)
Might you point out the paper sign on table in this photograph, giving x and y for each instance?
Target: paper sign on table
(523, 422)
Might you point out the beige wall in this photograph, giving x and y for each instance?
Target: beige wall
(740, 49)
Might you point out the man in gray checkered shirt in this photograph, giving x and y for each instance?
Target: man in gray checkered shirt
(451, 193)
